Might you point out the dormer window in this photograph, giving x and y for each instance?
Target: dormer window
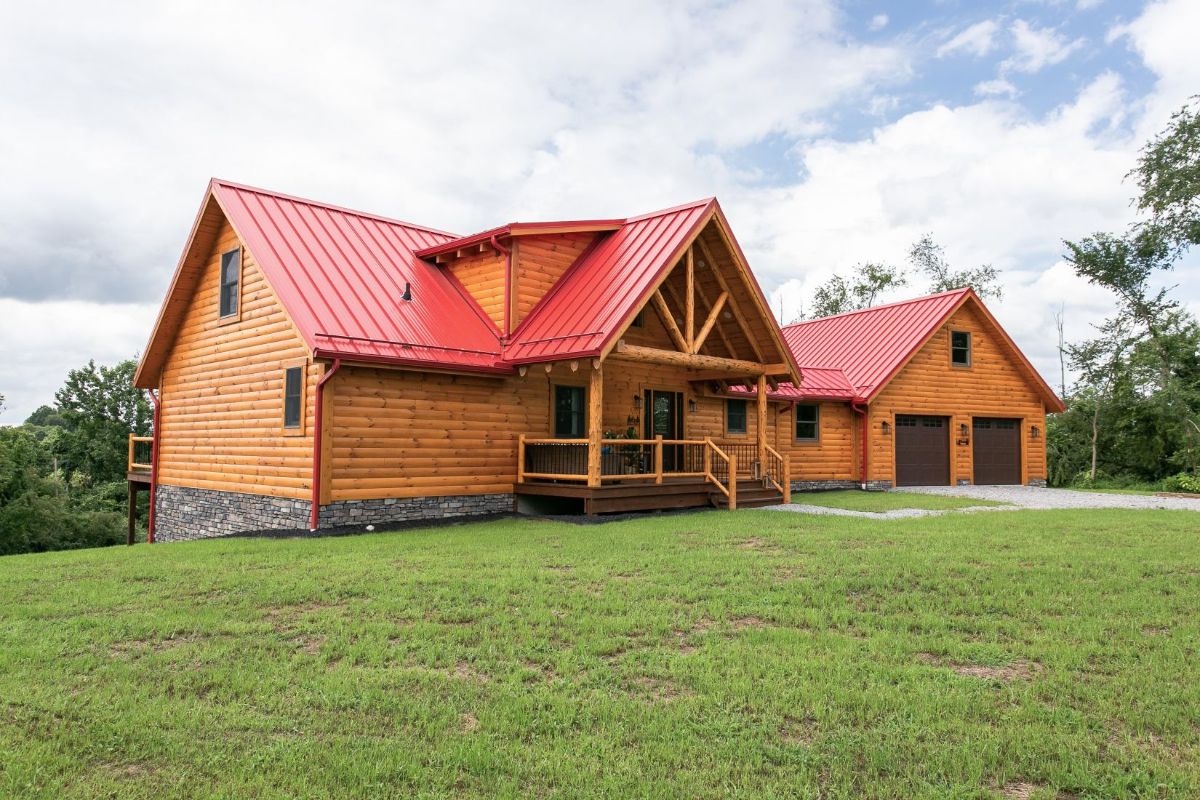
(960, 348)
(231, 279)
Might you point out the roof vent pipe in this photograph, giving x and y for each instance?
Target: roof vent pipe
(407, 292)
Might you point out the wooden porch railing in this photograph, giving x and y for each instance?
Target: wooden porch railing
(132, 462)
(627, 459)
(778, 470)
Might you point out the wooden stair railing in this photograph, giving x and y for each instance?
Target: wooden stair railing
(778, 470)
(730, 459)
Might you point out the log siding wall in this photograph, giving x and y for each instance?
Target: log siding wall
(222, 391)
(993, 386)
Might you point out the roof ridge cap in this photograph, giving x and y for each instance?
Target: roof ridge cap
(922, 298)
(343, 209)
(672, 210)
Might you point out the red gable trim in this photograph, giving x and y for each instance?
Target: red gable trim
(521, 229)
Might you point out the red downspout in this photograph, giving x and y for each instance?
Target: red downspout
(507, 280)
(153, 467)
(861, 410)
(316, 478)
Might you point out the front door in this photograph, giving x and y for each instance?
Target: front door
(664, 417)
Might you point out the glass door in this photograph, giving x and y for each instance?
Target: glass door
(664, 417)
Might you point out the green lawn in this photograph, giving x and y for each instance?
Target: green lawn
(755, 654)
(876, 502)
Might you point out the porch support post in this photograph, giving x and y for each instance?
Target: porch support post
(762, 423)
(658, 458)
(595, 423)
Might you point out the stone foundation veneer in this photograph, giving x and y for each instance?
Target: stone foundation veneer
(184, 513)
(832, 485)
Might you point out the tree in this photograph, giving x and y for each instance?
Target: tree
(1100, 362)
(1168, 175)
(927, 256)
(100, 407)
(839, 295)
(45, 417)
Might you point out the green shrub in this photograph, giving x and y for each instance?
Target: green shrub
(1183, 482)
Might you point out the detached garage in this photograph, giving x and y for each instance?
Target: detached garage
(939, 395)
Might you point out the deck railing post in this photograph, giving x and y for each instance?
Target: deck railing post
(708, 459)
(732, 481)
(787, 478)
(658, 458)
(129, 461)
(521, 458)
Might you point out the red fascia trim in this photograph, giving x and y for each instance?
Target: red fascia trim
(364, 358)
(518, 229)
(154, 399)
(314, 513)
(861, 409)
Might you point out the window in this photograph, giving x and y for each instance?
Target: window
(960, 348)
(570, 415)
(293, 397)
(808, 422)
(735, 416)
(231, 276)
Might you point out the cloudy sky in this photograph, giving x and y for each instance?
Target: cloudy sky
(831, 132)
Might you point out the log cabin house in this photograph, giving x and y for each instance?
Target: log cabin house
(314, 367)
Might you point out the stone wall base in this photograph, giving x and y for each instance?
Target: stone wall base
(1038, 482)
(184, 513)
(822, 486)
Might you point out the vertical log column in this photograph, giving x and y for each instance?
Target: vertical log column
(762, 424)
(595, 422)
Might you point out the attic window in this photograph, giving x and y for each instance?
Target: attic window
(231, 278)
(960, 348)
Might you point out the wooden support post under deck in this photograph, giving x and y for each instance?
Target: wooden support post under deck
(787, 479)
(762, 424)
(595, 423)
(132, 513)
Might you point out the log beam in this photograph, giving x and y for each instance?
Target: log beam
(733, 303)
(713, 313)
(690, 299)
(668, 319)
(654, 355)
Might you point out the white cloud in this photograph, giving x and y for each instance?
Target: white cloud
(878, 22)
(992, 184)
(996, 88)
(1037, 48)
(977, 40)
(1087, 5)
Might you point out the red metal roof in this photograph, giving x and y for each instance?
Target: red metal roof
(871, 345)
(817, 383)
(589, 304)
(340, 275)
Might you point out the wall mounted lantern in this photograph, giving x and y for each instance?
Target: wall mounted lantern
(886, 427)
(1035, 432)
(637, 402)
(964, 431)
(692, 405)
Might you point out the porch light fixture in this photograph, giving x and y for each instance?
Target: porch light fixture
(637, 402)
(1035, 432)
(692, 405)
(963, 430)
(886, 427)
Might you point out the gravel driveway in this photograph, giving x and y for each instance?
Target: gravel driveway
(1032, 497)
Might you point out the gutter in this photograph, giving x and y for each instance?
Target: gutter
(154, 399)
(314, 513)
(861, 410)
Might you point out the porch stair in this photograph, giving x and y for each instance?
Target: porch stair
(751, 493)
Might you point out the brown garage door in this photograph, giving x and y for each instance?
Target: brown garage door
(922, 451)
(997, 450)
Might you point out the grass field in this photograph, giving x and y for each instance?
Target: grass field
(876, 502)
(756, 654)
